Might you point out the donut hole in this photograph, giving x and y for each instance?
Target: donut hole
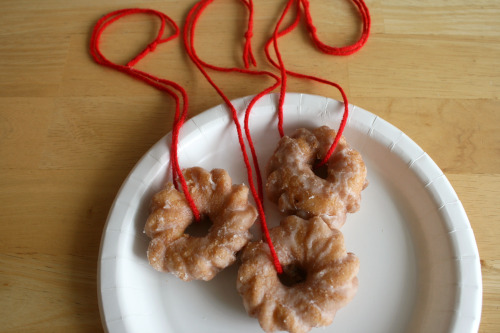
(292, 275)
(321, 171)
(199, 228)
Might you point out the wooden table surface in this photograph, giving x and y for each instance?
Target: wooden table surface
(71, 130)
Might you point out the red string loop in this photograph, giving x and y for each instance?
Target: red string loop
(169, 87)
(346, 50)
(188, 34)
(342, 51)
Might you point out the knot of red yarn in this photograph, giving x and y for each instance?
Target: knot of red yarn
(152, 46)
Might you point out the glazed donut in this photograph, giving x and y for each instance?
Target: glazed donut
(294, 186)
(226, 206)
(321, 276)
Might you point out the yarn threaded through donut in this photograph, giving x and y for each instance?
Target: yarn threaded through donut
(340, 51)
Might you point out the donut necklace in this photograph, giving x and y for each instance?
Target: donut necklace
(181, 109)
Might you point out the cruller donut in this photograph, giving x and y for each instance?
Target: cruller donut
(319, 276)
(294, 185)
(224, 204)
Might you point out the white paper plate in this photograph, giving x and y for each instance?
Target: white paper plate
(420, 269)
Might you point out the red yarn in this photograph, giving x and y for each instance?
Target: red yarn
(174, 90)
(188, 34)
(346, 50)
(247, 51)
(167, 86)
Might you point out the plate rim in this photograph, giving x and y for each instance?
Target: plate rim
(468, 309)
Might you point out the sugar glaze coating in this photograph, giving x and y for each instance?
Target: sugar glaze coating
(330, 276)
(294, 186)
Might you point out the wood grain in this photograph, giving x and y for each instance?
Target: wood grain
(70, 130)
